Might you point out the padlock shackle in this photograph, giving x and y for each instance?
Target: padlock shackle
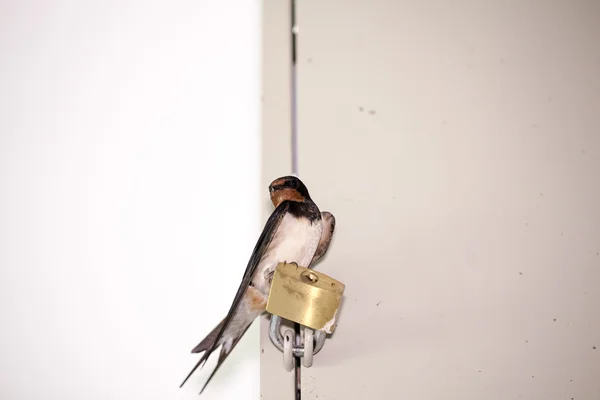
(277, 337)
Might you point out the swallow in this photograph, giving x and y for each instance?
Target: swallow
(296, 232)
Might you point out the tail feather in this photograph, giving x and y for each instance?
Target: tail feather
(205, 345)
(225, 351)
(208, 341)
(201, 361)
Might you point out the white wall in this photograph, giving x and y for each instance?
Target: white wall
(129, 178)
(466, 141)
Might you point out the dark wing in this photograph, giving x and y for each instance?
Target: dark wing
(328, 228)
(257, 254)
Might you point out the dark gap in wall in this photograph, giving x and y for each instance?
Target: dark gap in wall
(294, 123)
(293, 90)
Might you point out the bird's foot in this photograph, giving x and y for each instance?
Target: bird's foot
(269, 276)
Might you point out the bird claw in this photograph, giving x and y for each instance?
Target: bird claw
(269, 273)
(269, 276)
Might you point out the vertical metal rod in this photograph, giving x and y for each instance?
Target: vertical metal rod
(293, 91)
(294, 122)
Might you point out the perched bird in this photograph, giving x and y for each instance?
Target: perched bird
(296, 232)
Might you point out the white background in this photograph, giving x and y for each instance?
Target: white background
(129, 178)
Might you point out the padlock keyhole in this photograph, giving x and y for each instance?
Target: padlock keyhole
(310, 276)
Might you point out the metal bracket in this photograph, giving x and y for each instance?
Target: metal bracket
(313, 343)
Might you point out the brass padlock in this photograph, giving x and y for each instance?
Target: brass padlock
(304, 296)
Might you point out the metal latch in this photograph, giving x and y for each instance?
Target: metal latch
(309, 298)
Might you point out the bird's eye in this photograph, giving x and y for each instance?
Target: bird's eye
(294, 184)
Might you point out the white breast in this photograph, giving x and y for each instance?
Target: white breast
(296, 241)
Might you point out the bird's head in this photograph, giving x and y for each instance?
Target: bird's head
(288, 188)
